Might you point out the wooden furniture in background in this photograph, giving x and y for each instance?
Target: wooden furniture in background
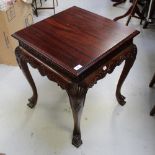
(134, 9)
(151, 85)
(117, 2)
(149, 14)
(36, 8)
(75, 49)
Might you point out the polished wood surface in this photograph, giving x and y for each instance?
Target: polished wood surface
(57, 46)
(75, 37)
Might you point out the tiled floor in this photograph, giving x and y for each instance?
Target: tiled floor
(107, 128)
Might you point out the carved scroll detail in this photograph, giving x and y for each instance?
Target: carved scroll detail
(77, 94)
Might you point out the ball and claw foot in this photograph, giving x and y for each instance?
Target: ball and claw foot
(76, 141)
(152, 112)
(121, 99)
(32, 102)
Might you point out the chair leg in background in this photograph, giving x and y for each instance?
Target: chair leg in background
(152, 81)
(151, 85)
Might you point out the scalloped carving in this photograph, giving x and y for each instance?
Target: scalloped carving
(110, 66)
(42, 68)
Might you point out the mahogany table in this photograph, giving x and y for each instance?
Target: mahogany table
(75, 49)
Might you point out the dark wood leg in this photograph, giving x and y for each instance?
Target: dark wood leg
(77, 96)
(126, 14)
(140, 14)
(152, 113)
(57, 2)
(135, 10)
(128, 20)
(41, 2)
(128, 64)
(23, 65)
(54, 6)
(152, 81)
(145, 24)
(119, 2)
(132, 12)
(35, 11)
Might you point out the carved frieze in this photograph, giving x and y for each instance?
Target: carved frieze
(42, 68)
(110, 66)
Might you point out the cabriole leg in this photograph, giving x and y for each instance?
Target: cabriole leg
(128, 65)
(23, 66)
(77, 96)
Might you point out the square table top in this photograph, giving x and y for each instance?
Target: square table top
(75, 39)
